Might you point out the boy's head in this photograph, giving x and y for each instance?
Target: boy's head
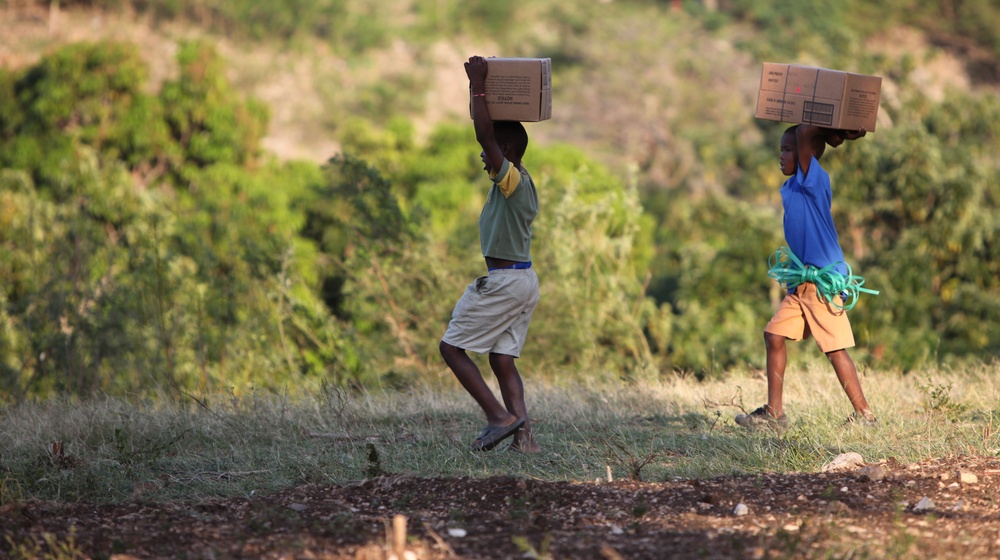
(512, 139)
(790, 151)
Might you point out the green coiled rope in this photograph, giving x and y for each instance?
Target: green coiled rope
(789, 271)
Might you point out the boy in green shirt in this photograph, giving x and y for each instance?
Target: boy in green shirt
(494, 312)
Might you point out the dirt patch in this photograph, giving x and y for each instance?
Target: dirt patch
(935, 509)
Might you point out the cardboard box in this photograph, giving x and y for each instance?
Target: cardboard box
(518, 89)
(807, 95)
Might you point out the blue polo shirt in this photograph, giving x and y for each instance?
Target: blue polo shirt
(809, 229)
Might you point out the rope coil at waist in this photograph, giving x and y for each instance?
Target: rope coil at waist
(789, 271)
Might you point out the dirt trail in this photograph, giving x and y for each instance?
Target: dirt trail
(936, 509)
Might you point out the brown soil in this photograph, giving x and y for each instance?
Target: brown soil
(867, 513)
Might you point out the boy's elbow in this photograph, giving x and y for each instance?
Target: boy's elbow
(484, 131)
(481, 139)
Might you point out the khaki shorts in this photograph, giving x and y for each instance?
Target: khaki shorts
(803, 313)
(494, 312)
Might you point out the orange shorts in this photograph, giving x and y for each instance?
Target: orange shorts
(803, 313)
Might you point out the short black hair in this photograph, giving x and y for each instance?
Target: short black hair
(819, 141)
(513, 134)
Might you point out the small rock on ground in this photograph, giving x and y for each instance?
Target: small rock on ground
(844, 461)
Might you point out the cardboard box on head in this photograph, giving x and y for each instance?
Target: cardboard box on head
(808, 95)
(518, 89)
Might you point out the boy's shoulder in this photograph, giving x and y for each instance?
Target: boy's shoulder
(512, 180)
(816, 173)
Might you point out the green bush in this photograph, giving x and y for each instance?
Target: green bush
(148, 240)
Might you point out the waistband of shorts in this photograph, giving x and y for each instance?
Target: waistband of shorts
(515, 266)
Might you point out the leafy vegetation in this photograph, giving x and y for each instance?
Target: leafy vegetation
(149, 242)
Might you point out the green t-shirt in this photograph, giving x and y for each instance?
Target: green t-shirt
(505, 223)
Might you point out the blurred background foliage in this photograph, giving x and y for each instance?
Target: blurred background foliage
(149, 240)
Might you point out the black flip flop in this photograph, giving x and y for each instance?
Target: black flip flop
(493, 435)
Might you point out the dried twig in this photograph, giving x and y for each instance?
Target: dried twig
(736, 401)
(441, 543)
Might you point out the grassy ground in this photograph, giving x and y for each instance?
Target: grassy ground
(110, 450)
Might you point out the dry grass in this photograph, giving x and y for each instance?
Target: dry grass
(114, 449)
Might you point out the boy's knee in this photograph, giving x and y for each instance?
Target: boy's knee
(500, 358)
(501, 361)
(772, 340)
(838, 355)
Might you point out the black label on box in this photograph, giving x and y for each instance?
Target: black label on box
(817, 113)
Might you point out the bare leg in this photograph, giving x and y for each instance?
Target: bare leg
(777, 358)
(468, 375)
(512, 390)
(847, 373)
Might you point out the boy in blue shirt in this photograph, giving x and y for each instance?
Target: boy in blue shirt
(812, 237)
(494, 312)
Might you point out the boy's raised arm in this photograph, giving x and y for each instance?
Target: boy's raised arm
(805, 135)
(476, 68)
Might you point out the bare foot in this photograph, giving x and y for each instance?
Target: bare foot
(524, 442)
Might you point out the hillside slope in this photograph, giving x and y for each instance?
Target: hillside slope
(626, 95)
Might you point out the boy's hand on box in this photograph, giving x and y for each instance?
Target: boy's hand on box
(476, 70)
(853, 134)
(836, 137)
